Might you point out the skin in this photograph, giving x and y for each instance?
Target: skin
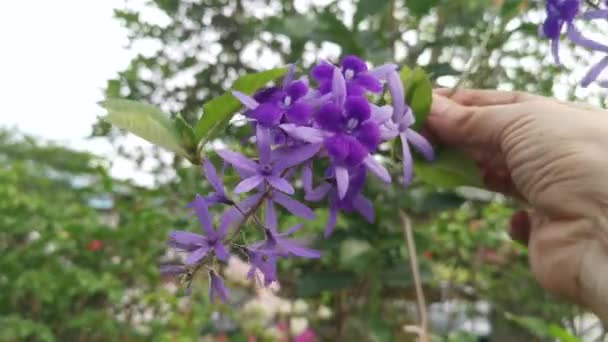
(554, 157)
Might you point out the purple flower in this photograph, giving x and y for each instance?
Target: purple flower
(271, 105)
(348, 133)
(560, 13)
(598, 13)
(171, 270)
(265, 261)
(294, 207)
(198, 245)
(218, 195)
(594, 72)
(217, 288)
(268, 169)
(400, 124)
(278, 244)
(358, 78)
(353, 201)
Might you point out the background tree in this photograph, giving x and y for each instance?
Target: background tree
(81, 251)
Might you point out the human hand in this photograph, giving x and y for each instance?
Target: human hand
(553, 156)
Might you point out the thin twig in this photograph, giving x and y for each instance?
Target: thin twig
(476, 57)
(422, 328)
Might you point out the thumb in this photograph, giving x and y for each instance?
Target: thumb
(461, 126)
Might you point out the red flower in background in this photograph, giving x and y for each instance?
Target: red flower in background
(94, 245)
(427, 254)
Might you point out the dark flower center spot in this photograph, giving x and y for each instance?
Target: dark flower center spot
(266, 170)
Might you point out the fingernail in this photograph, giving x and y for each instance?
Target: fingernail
(440, 104)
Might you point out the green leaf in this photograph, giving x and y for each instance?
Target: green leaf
(562, 334)
(418, 93)
(543, 329)
(186, 134)
(368, 8)
(420, 8)
(295, 27)
(314, 283)
(145, 121)
(218, 111)
(450, 169)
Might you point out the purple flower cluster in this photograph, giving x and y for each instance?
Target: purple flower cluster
(561, 15)
(335, 125)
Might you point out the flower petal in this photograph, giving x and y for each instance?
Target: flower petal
(220, 252)
(299, 113)
(212, 178)
(263, 141)
(318, 193)
(267, 114)
(381, 114)
(596, 14)
(295, 156)
(407, 160)
(238, 160)
(368, 82)
(217, 288)
(382, 71)
(270, 217)
(322, 71)
(337, 147)
(269, 94)
(354, 63)
(357, 107)
(299, 250)
(377, 169)
(576, 37)
(356, 152)
(248, 184)
(307, 177)
(296, 90)
(196, 255)
(338, 87)
(280, 184)
(306, 134)
(552, 27)
(342, 180)
(296, 208)
(368, 134)
(420, 144)
(246, 100)
(395, 87)
(186, 240)
(331, 221)
(555, 51)
(171, 270)
(318, 100)
(594, 72)
(364, 207)
(202, 213)
(329, 117)
(292, 230)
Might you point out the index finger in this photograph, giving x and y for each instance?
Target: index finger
(485, 97)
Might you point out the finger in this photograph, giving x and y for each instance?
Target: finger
(469, 126)
(482, 97)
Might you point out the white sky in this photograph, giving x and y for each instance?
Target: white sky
(56, 57)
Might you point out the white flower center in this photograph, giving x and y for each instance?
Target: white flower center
(287, 101)
(349, 74)
(352, 123)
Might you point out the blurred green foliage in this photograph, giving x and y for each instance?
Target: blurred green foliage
(80, 250)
